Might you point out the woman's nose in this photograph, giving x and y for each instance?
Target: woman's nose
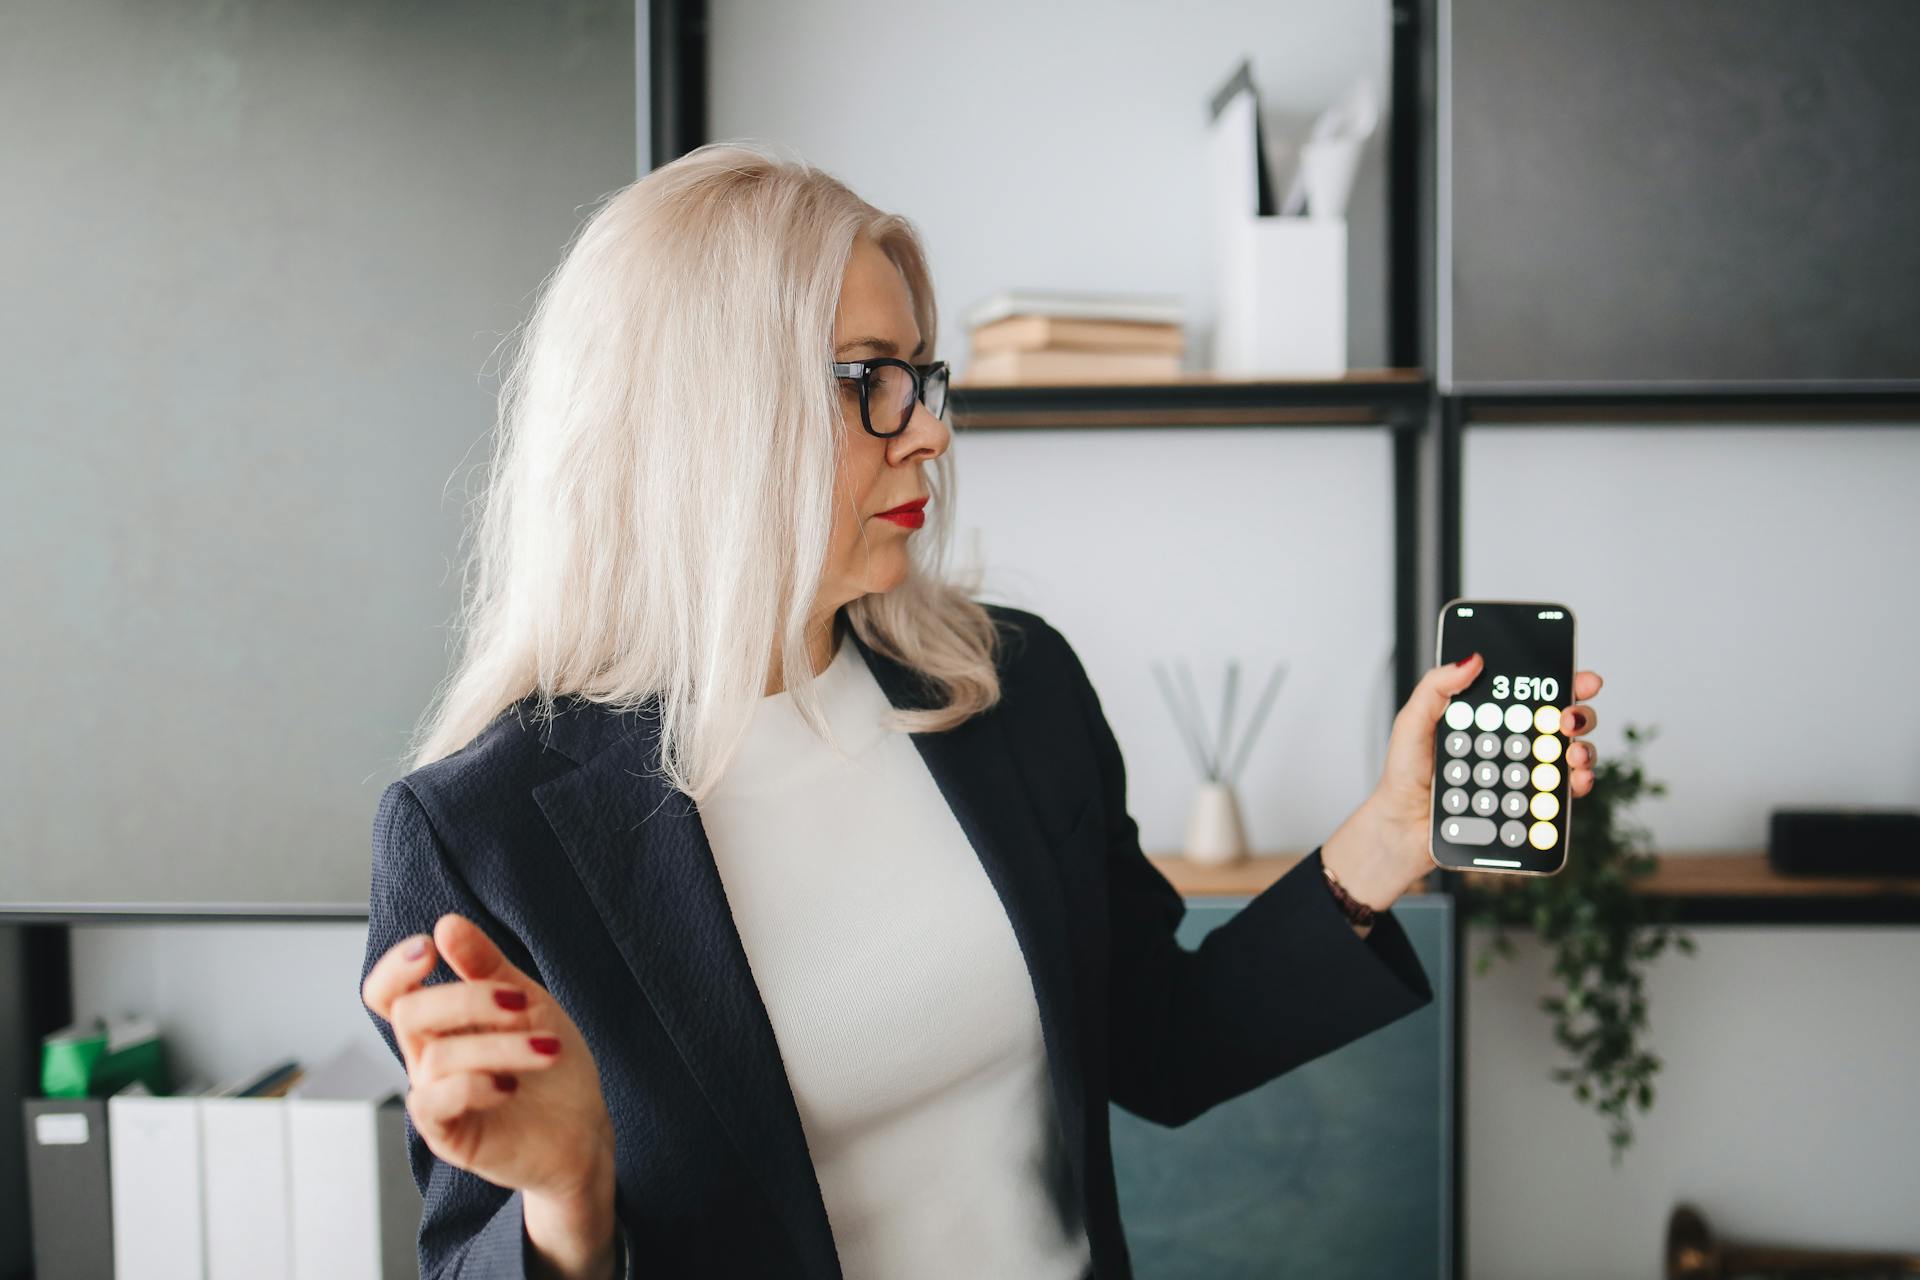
(924, 431)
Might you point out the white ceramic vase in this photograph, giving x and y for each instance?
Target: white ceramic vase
(1215, 835)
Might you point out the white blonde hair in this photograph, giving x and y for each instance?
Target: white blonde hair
(659, 499)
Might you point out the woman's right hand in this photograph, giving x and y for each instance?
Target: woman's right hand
(508, 1093)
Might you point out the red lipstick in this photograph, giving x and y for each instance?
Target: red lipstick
(908, 514)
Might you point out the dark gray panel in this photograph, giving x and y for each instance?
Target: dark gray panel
(1708, 190)
(1336, 1169)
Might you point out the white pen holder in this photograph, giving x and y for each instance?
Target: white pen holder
(1215, 835)
(1282, 292)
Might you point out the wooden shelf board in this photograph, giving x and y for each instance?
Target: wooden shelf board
(1246, 878)
(1204, 379)
(1742, 874)
(1368, 397)
(1705, 875)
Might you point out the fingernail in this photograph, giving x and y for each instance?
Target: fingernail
(510, 999)
(505, 1083)
(416, 948)
(1464, 661)
(548, 1045)
(1574, 718)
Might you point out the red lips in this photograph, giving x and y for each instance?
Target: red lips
(905, 507)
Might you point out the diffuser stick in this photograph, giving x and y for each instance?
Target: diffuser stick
(1226, 708)
(1259, 718)
(1199, 718)
(1180, 719)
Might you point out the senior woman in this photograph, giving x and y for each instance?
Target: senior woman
(759, 903)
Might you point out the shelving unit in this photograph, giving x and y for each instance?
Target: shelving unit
(1399, 400)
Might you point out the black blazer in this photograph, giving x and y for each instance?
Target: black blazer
(596, 877)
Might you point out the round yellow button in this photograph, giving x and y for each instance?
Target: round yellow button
(1546, 747)
(1546, 720)
(1541, 835)
(1546, 777)
(1545, 805)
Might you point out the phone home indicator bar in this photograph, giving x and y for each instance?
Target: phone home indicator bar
(1495, 862)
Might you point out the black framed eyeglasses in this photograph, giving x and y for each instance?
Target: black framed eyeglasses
(889, 389)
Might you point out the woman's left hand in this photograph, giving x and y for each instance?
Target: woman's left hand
(1383, 848)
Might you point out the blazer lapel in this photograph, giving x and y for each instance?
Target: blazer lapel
(638, 846)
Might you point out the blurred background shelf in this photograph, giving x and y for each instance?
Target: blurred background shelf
(1720, 887)
(1245, 878)
(1376, 397)
(1738, 887)
(1895, 401)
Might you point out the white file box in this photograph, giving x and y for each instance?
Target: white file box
(243, 1169)
(154, 1170)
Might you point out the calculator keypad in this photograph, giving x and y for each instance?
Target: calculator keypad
(1501, 771)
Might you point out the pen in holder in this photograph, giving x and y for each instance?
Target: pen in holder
(1215, 833)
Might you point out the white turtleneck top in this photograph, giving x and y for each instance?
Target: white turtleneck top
(903, 1008)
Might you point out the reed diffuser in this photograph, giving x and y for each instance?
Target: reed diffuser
(1215, 834)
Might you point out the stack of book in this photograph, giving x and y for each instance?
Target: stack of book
(1028, 337)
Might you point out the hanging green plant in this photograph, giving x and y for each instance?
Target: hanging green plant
(1602, 935)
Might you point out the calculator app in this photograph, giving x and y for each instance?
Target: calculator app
(1501, 784)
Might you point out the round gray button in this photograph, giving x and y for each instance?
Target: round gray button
(1513, 834)
(1519, 747)
(1486, 746)
(1514, 803)
(1516, 775)
(1455, 772)
(1485, 802)
(1486, 773)
(1458, 743)
(1453, 800)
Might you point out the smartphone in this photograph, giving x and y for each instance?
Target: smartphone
(1502, 791)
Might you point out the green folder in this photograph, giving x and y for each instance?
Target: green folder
(97, 1058)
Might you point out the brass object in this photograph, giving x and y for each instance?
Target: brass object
(1694, 1254)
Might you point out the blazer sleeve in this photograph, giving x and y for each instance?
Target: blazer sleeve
(1281, 983)
(469, 1228)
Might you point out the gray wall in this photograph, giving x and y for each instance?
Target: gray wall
(258, 260)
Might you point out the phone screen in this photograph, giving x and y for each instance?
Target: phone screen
(1502, 788)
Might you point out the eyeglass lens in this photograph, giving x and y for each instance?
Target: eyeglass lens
(890, 396)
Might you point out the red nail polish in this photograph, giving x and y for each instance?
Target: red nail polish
(548, 1045)
(1464, 661)
(510, 999)
(505, 1083)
